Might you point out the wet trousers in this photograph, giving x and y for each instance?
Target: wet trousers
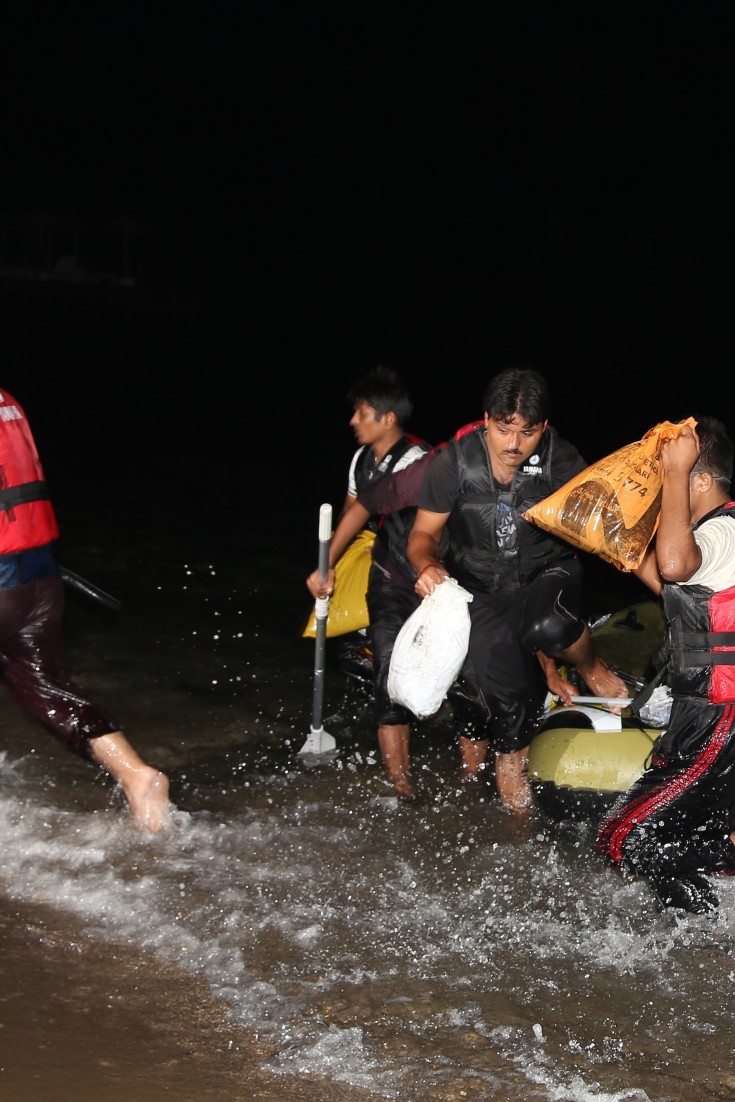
(389, 606)
(33, 668)
(501, 691)
(676, 819)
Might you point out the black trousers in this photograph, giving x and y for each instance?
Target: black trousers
(502, 689)
(677, 817)
(389, 606)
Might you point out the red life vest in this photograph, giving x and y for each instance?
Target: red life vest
(27, 517)
(701, 635)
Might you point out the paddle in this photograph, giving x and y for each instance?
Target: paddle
(318, 741)
(615, 701)
(76, 581)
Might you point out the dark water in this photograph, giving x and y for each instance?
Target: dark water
(441, 951)
(438, 951)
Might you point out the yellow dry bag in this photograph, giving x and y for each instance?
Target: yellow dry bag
(348, 604)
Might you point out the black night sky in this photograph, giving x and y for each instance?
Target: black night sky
(310, 192)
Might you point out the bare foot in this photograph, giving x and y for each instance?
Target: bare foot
(147, 796)
(602, 681)
(515, 794)
(471, 781)
(404, 787)
(474, 788)
(520, 804)
(145, 789)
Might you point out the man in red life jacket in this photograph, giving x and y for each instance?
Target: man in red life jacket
(675, 826)
(31, 639)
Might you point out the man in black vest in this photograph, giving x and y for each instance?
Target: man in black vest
(526, 583)
(381, 407)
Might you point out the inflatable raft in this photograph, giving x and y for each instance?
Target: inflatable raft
(584, 757)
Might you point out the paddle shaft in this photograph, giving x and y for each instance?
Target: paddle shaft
(322, 611)
(614, 701)
(76, 581)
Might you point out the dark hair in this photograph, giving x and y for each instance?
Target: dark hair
(715, 450)
(382, 389)
(518, 390)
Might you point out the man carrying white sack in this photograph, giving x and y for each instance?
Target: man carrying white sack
(526, 583)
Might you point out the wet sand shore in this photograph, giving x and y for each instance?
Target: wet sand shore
(82, 1021)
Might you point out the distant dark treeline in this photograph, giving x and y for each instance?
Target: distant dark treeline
(121, 254)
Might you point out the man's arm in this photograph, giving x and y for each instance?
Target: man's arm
(677, 555)
(347, 504)
(352, 522)
(424, 543)
(397, 491)
(388, 495)
(648, 571)
(555, 683)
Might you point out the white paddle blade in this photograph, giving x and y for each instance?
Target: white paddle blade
(318, 742)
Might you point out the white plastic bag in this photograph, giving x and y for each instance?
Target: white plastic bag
(657, 709)
(429, 650)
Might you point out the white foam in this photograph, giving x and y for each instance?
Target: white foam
(371, 944)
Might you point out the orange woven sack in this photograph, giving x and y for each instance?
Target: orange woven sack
(612, 508)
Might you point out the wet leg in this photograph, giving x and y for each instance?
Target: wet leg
(393, 740)
(144, 788)
(473, 758)
(511, 778)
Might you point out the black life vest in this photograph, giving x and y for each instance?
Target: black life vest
(476, 557)
(392, 530)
